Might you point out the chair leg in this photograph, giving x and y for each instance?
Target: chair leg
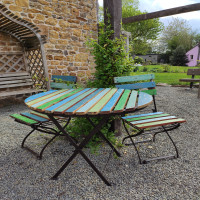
(22, 145)
(154, 102)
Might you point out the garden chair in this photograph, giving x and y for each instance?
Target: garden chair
(63, 82)
(38, 122)
(151, 123)
(143, 83)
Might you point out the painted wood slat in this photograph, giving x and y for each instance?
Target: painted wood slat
(150, 91)
(35, 117)
(33, 97)
(40, 115)
(41, 98)
(124, 79)
(96, 109)
(67, 103)
(141, 115)
(112, 102)
(91, 103)
(23, 119)
(51, 98)
(61, 85)
(64, 78)
(136, 86)
(147, 117)
(122, 101)
(160, 123)
(57, 100)
(77, 106)
(144, 100)
(132, 100)
(153, 120)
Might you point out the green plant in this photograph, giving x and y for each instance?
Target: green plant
(135, 69)
(111, 60)
(166, 68)
(138, 60)
(145, 69)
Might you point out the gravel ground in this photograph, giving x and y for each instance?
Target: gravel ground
(22, 176)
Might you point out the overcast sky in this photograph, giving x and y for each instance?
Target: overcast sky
(193, 18)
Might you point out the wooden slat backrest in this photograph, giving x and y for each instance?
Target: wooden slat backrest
(64, 78)
(193, 72)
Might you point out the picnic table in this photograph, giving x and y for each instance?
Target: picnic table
(88, 103)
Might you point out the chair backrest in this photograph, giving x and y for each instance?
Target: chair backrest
(193, 72)
(139, 82)
(59, 82)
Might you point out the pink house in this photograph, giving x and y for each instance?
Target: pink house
(193, 56)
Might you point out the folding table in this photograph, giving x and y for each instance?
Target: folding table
(88, 103)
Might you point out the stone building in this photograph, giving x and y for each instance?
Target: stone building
(67, 24)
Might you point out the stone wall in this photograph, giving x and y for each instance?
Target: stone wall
(67, 25)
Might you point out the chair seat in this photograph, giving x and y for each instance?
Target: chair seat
(152, 120)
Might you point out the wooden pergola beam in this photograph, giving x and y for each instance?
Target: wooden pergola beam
(162, 13)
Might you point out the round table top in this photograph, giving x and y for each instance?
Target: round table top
(88, 101)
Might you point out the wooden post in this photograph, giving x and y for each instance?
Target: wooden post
(114, 9)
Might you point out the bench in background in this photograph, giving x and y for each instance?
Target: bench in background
(192, 80)
(15, 83)
(63, 82)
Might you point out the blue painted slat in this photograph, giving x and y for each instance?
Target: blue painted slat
(81, 103)
(61, 85)
(31, 98)
(132, 100)
(35, 117)
(64, 78)
(126, 79)
(91, 103)
(136, 86)
(52, 98)
(112, 102)
(152, 120)
(66, 100)
(144, 99)
(141, 115)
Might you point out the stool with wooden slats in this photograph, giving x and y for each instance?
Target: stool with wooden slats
(152, 123)
(39, 122)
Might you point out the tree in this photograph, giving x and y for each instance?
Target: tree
(142, 33)
(179, 57)
(177, 33)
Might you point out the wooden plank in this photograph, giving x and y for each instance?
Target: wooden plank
(97, 108)
(150, 91)
(122, 101)
(34, 117)
(162, 13)
(144, 100)
(141, 115)
(113, 101)
(79, 105)
(193, 72)
(126, 79)
(189, 80)
(16, 78)
(31, 98)
(61, 106)
(23, 119)
(136, 86)
(61, 85)
(50, 99)
(132, 101)
(40, 114)
(54, 101)
(16, 85)
(152, 120)
(64, 78)
(160, 123)
(13, 74)
(7, 83)
(147, 117)
(40, 97)
(83, 110)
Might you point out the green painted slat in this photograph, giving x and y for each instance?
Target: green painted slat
(43, 98)
(146, 117)
(74, 101)
(132, 100)
(151, 91)
(23, 119)
(58, 99)
(160, 123)
(122, 101)
(124, 79)
(96, 109)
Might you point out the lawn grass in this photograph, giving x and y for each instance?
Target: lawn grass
(171, 77)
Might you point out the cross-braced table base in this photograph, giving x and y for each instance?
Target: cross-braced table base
(78, 148)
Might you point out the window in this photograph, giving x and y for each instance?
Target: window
(191, 57)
